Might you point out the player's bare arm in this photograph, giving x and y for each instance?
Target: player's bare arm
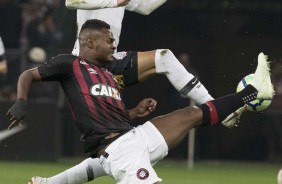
(96, 4)
(17, 112)
(144, 108)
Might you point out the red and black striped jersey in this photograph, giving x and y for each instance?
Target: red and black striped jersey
(94, 98)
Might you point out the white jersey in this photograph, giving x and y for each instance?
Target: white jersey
(2, 50)
(112, 16)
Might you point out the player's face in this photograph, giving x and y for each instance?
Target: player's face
(105, 47)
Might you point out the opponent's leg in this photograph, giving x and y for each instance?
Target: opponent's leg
(84, 172)
(163, 61)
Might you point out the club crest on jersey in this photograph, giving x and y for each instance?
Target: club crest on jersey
(120, 55)
(104, 90)
(120, 80)
(142, 174)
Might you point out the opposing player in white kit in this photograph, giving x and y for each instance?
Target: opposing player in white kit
(150, 62)
(110, 11)
(161, 61)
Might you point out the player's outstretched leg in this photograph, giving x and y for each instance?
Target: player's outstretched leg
(261, 80)
(83, 172)
(215, 111)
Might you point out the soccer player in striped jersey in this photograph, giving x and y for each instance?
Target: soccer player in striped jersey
(148, 63)
(126, 153)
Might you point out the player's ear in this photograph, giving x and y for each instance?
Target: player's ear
(90, 43)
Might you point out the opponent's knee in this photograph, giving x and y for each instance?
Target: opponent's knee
(162, 59)
(168, 64)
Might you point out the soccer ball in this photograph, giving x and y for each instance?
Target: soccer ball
(258, 104)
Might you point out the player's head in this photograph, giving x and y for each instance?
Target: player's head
(96, 41)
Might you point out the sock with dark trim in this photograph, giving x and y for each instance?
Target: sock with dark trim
(217, 110)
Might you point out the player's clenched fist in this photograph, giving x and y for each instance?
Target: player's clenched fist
(145, 107)
(16, 113)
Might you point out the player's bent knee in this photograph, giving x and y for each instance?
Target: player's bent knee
(165, 53)
(165, 61)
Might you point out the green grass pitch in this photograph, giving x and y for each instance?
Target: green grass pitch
(172, 172)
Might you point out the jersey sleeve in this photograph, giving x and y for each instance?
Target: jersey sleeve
(57, 68)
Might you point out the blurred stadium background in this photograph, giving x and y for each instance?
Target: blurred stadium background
(222, 39)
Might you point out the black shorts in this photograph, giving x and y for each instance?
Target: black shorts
(124, 68)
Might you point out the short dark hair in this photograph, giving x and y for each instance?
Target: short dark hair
(95, 24)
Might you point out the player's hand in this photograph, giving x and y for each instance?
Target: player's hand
(144, 108)
(17, 113)
(234, 118)
(122, 2)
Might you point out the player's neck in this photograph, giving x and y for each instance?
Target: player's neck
(90, 60)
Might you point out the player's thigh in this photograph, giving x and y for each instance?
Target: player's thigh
(146, 65)
(176, 125)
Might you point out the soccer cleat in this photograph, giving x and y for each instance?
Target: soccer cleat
(261, 80)
(234, 118)
(38, 180)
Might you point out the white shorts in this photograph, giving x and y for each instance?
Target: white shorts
(131, 156)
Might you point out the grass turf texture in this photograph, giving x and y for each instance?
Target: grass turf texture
(172, 172)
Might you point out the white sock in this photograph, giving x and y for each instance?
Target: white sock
(279, 177)
(86, 171)
(183, 81)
